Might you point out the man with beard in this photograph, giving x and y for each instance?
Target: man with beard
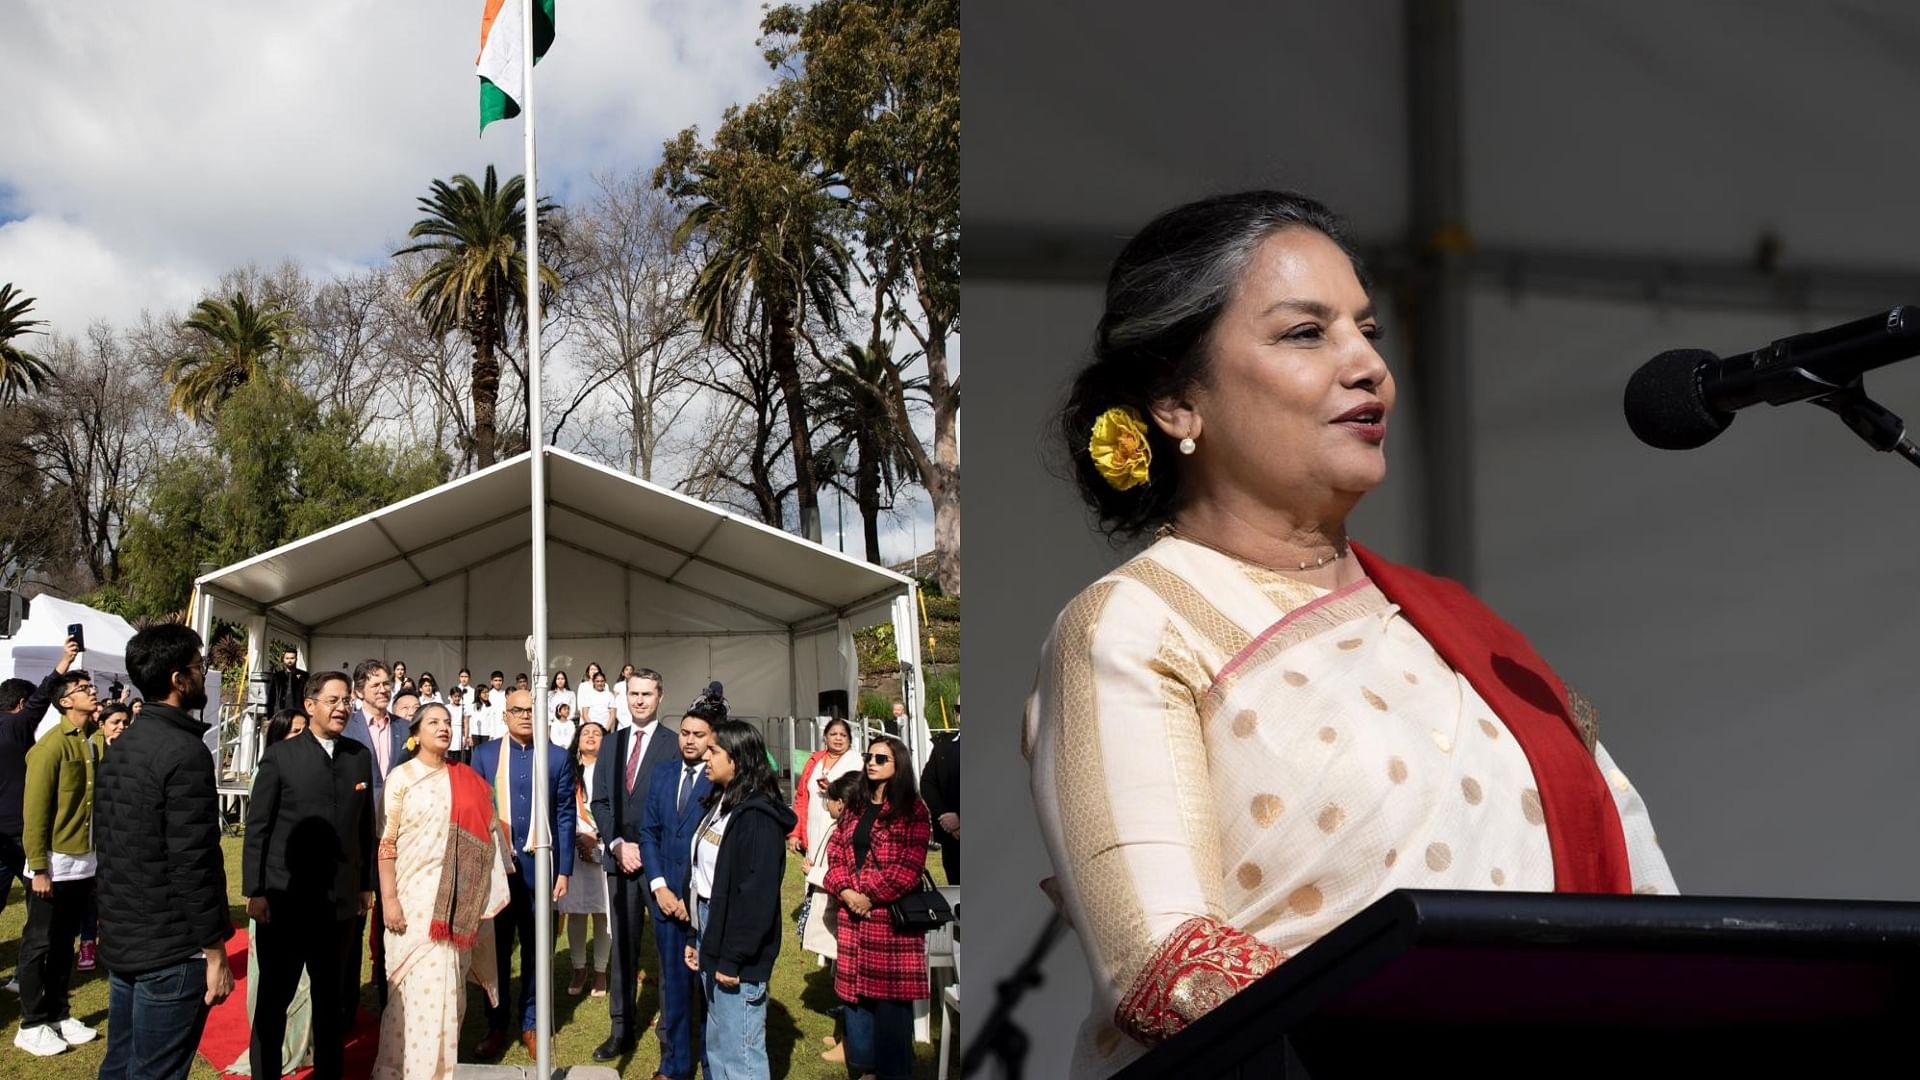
(162, 880)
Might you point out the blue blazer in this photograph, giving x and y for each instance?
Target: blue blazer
(358, 730)
(666, 836)
(561, 813)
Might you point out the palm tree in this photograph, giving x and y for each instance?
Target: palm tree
(477, 282)
(761, 201)
(238, 341)
(850, 398)
(20, 370)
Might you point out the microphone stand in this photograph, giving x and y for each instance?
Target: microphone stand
(1000, 1036)
(1877, 425)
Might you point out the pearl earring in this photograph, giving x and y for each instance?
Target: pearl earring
(1187, 445)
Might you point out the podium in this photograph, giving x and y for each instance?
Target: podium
(1545, 985)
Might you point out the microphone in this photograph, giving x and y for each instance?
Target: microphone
(1683, 398)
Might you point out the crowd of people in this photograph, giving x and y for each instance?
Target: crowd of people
(406, 807)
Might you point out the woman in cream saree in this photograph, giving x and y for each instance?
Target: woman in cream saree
(443, 876)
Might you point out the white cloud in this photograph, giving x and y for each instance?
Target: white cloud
(173, 141)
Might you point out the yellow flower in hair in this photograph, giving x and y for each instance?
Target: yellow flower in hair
(1119, 447)
(413, 744)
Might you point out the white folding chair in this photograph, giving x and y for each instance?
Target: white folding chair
(942, 955)
(950, 998)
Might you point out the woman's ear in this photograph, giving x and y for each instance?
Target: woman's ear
(1176, 418)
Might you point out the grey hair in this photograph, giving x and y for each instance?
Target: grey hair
(1166, 290)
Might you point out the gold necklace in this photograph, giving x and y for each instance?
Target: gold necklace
(1170, 529)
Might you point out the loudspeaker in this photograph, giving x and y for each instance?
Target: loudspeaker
(833, 703)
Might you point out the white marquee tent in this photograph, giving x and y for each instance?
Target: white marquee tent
(636, 572)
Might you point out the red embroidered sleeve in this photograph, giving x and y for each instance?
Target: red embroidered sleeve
(1200, 965)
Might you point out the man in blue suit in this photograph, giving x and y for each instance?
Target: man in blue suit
(517, 750)
(619, 807)
(673, 813)
(373, 727)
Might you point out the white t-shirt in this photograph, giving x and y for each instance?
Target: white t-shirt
(458, 715)
(557, 698)
(594, 704)
(706, 850)
(561, 733)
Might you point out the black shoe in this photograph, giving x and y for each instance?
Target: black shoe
(613, 1048)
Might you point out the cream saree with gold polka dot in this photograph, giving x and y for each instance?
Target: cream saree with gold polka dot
(1216, 742)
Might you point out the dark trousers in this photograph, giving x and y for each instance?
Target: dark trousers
(302, 937)
(46, 952)
(680, 997)
(880, 1038)
(628, 901)
(950, 860)
(154, 1022)
(13, 856)
(516, 920)
(350, 965)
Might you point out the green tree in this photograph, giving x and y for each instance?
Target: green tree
(877, 84)
(845, 399)
(278, 469)
(774, 257)
(476, 283)
(20, 371)
(235, 342)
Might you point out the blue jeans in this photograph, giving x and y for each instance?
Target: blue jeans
(154, 1021)
(736, 1044)
(880, 1038)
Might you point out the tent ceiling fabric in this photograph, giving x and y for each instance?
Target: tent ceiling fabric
(1590, 125)
(729, 572)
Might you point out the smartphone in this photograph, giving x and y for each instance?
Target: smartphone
(75, 631)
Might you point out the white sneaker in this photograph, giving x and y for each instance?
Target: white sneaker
(13, 985)
(73, 1032)
(40, 1041)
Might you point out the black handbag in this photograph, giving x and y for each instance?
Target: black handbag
(922, 910)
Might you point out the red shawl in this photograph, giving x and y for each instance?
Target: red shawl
(466, 880)
(1583, 826)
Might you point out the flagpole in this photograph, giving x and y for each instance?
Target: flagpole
(537, 825)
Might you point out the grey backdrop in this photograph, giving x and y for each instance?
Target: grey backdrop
(1741, 615)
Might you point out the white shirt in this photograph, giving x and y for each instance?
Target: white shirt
(457, 714)
(325, 743)
(706, 851)
(595, 704)
(643, 737)
(561, 733)
(557, 698)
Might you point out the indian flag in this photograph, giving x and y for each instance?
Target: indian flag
(503, 52)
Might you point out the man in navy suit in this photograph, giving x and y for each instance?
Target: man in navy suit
(523, 888)
(673, 812)
(619, 806)
(373, 727)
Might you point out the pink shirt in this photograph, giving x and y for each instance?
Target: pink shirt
(382, 744)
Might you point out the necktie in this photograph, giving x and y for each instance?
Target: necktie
(634, 755)
(686, 782)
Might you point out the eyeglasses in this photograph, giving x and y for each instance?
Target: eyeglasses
(520, 712)
(878, 759)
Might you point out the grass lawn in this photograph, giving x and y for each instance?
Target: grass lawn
(796, 1020)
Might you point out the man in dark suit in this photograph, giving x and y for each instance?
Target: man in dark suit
(287, 687)
(307, 870)
(619, 805)
(385, 736)
(673, 812)
(940, 787)
(524, 888)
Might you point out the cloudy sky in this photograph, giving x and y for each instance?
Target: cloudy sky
(151, 146)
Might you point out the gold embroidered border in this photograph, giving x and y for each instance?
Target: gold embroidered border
(1200, 965)
(1110, 904)
(1586, 719)
(1180, 682)
(1368, 600)
(1186, 601)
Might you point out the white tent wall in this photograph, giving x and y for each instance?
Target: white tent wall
(1739, 614)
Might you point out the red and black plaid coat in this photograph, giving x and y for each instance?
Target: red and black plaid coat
(876, 961)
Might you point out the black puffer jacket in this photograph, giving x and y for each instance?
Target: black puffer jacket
(156, 826)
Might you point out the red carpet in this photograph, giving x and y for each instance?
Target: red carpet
(228, 1034)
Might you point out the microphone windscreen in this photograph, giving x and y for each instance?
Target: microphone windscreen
(1664, 405)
